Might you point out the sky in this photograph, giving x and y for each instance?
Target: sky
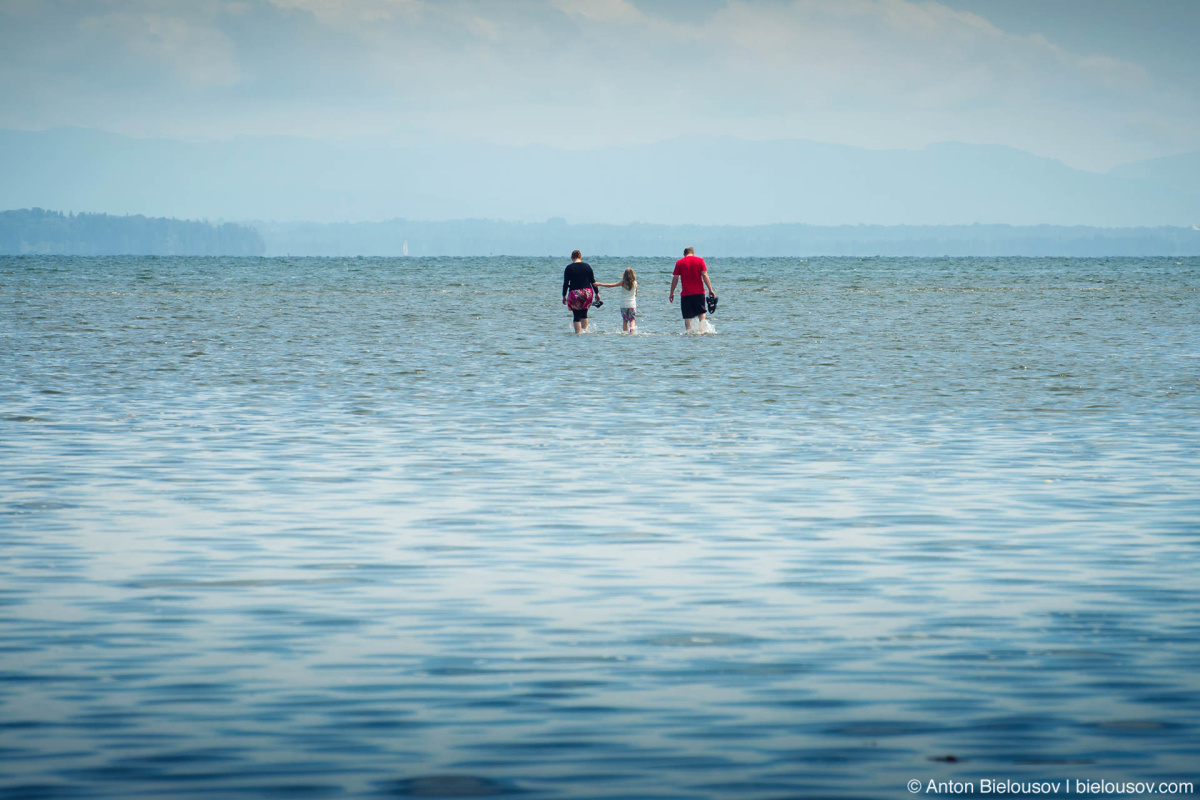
(1094, 83)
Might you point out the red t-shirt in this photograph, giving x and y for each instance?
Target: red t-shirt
(689, 269)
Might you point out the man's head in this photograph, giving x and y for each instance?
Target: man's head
(576, 255)
(689, 251)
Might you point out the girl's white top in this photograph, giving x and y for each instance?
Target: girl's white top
(628, 296)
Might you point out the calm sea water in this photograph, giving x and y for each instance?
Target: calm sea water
(356, 528)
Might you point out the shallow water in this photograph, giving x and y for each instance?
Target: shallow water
(345, 528)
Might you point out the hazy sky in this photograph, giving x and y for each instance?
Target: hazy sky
(1092, 82)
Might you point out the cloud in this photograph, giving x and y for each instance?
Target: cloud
(584, 72)
(897, 53)
(780, 56)
(352, 12)
(188, 44)
(602, 10)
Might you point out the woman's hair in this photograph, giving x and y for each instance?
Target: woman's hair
(576, 254)
(629, 279)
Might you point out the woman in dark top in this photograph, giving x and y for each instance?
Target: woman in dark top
(579, 290)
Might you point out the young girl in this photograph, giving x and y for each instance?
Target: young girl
(628, 284)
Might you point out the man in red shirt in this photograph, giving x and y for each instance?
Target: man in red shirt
(694, 273)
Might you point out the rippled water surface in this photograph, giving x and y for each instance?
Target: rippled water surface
(347, 528)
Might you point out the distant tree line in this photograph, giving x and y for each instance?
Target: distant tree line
(556, 237)
(36, 231)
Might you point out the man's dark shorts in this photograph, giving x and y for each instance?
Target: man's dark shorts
(692, 305)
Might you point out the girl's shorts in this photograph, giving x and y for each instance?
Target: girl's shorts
(628, 314)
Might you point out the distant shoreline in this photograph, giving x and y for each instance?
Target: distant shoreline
(557, 238)
(41, 232)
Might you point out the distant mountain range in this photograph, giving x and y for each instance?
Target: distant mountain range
(686, 181)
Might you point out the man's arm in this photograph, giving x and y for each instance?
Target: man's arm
(707, 282)
(674, 283)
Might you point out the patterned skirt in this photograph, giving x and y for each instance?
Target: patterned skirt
(579, 299)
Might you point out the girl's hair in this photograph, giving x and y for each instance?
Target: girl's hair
(629, 280)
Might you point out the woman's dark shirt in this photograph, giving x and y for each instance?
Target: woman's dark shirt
(577, 275)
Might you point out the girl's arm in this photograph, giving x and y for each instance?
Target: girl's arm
(609, 285)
